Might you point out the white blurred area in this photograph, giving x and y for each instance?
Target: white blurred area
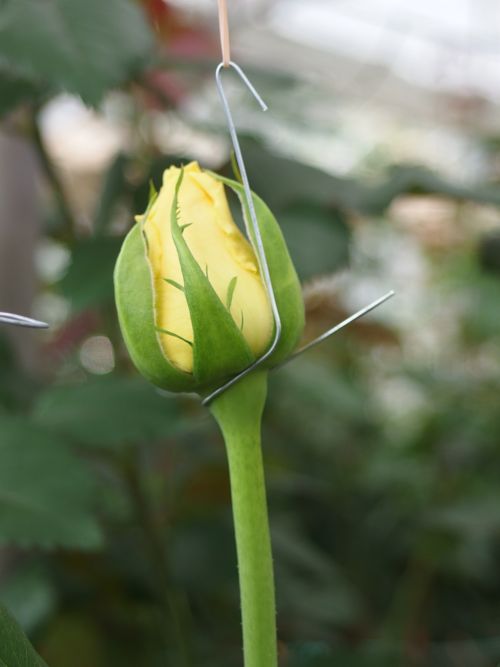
(445, 45)
(434, 46)
(440, 44)
(404, 80)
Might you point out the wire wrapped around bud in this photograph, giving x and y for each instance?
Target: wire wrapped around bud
(190, 297)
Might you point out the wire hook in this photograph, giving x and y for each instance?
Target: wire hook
(259, 246)
(352, 318)
(21, 321)
(254, 234)
(258, 243)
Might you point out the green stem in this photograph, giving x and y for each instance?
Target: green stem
(239, 412)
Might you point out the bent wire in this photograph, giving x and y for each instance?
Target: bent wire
(256, 240)
(254, 234)
(22, 321)
(338, 327)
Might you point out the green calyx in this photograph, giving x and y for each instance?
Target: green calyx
(219, 347)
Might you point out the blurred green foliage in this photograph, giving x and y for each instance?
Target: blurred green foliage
(67, 45)
(114, 498)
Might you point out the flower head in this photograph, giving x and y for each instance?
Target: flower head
(191, 300)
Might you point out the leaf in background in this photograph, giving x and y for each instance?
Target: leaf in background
(318, 654)
(153, 174)
(16, 386)
(296, 182)
(108, 411)
(299, 182)
(77, 639)
(311, 654)
(328, 399)
(46, 493)
(89, 279)
(82, 47)
(13, 91)
(481, 321)
(313, 591)
(15, 648)
(478, 284)
(317, 238)
(489, 252)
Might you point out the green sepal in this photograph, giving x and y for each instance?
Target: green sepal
(286, 285)
(135, 305)
(219, 348)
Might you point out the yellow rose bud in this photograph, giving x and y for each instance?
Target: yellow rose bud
(191, 301)
(219, 248)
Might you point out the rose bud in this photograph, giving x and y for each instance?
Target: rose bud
(192, 305)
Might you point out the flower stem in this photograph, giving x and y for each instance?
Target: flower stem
(238, 412)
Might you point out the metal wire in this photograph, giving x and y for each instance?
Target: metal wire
(338, 327)
(21, 321)
(254, 234)
(256, 237)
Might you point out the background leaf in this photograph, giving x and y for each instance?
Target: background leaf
(317, 238)
(82, 47)
(14, 90)
(89, 278)
(46, 493)
(109, 411)
(299, 182)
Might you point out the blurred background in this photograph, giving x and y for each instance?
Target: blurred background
(380, 156)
